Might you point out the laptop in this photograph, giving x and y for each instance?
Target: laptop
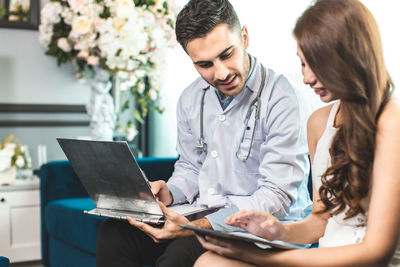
(113, 179)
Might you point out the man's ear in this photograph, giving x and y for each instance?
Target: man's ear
(245, 36)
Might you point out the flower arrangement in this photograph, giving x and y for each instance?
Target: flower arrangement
(127, 38)
(13, 154)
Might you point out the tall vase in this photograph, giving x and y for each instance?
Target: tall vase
(101, 107)
(8, 176)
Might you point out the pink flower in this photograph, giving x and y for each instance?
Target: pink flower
(73, 36)
(63, 44)
(83, 54)
(97, 23)
(92, 60)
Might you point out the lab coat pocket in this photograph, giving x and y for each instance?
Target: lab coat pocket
(248, 155)
(250, 139)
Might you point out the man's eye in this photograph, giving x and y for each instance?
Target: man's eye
(205, 65)
(225, 56)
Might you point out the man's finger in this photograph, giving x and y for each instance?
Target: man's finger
(167, 212)
(143, 226)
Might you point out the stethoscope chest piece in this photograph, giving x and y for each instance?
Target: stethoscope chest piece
(201, 146)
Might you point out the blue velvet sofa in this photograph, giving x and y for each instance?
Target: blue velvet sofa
(4, 262)
(68, 235)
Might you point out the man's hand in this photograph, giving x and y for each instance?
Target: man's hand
(170, 229)
(161, 191)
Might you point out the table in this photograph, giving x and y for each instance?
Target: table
(20, 220)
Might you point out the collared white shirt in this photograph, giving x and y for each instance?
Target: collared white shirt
(273, 178)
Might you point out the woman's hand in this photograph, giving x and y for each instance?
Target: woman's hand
(242, 251)
(258, 223)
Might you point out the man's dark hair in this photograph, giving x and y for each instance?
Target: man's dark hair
(199, 17)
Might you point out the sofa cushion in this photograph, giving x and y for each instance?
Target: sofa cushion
(65, 221)
(64, 255)
(4, 262)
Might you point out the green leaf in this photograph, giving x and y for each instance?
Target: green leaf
(137, 116)
(165, 5)
(106, 13)
(125, 106)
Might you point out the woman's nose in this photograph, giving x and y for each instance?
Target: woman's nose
(309, 77)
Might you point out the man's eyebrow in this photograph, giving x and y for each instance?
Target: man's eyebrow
(220, 54)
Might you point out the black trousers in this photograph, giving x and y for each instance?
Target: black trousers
(120, 244)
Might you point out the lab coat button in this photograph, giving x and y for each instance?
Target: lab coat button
(221, 117)
(211, 191)
(214, 154)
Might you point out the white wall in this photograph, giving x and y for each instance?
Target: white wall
(29, 76)
(270, 24)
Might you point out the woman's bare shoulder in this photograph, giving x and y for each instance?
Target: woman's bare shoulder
(390, 117)
(318, 119)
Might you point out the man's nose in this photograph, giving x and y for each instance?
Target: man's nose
(220, 71)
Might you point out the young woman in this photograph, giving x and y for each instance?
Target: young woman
(354, 145)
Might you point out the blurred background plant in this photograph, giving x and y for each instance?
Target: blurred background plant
(19, 10)
(12, 153)
(127, 38)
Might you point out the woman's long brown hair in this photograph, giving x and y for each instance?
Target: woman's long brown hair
(341, 43)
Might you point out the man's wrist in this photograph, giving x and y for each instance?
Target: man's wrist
(202, 223)
(171, 199)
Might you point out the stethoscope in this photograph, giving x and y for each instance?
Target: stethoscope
(201, 145)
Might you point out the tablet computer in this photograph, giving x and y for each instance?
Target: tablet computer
(246, 237)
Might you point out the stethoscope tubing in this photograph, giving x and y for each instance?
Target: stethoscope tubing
(202, 145)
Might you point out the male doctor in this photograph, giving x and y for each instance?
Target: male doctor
(241, 142)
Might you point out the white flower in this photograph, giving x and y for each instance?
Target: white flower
(131, 65)
(81, 25)
(124, 8)
(20, 162)
(140, 73)
(153, 94)
(10, 148)
(80, 6)
(140, 87)
(50, 13)
(131, 132)
(5, 160)
(45, 35)
(68, 15)
(126, 84)
(122, 75)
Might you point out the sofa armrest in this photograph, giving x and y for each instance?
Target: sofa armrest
(59, 181)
